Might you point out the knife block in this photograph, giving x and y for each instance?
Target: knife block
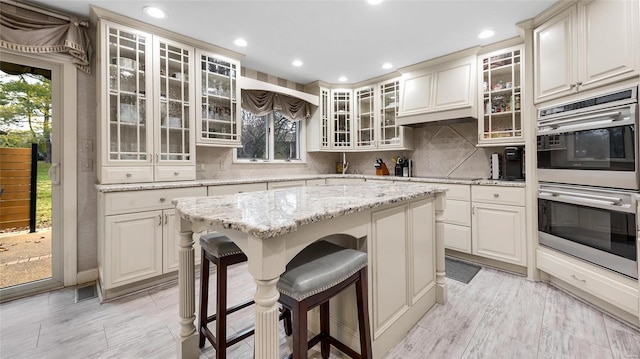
(382, 171)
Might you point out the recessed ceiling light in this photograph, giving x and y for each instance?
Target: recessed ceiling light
(240, 42)
(296, 63)
(485, 34)
(154, 12)
(342, 79)
(374, 2)
(387, 66)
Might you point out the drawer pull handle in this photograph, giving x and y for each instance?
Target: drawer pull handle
(496, 195)
(176, 173)
(128, 175)
(578, 279)
(166, 218)
(159, 219)
(162, 199)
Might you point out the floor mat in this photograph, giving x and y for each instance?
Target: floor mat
(460, 271)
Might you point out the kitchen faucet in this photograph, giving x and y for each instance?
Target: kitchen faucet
(345, 164)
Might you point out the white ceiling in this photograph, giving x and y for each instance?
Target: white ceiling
(332, 38)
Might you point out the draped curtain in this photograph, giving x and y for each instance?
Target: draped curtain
(24, 30)
(262, 102)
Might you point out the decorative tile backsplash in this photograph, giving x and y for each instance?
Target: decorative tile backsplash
(441, 150)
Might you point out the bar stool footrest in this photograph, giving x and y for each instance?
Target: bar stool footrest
(230, 310)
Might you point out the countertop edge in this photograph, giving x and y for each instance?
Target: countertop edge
(228, 181)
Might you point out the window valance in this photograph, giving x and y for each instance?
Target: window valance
(28, 31)
(262, 102)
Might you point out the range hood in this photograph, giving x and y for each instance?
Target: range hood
(445, 117)
(442, 90)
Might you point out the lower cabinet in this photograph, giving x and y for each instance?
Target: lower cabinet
(457, 218)
(286, 184)
(133, 248)
(137, 237)
(498, 224)
(401, 238)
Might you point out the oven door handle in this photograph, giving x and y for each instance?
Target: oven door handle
(584, 197)
(553, 121)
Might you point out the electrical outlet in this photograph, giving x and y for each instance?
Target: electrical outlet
(86, 165)
(87, 146)
(223, 166)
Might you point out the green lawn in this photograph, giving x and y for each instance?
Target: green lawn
(43, 200)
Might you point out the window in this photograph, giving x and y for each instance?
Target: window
(271, 137)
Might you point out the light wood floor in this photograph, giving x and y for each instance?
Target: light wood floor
(497, 315)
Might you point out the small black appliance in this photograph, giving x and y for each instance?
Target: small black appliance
(513, 163)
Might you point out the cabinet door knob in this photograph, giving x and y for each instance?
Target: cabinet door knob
(496, 195)
(176, 173)
(579, 84)
(128, 175)
(572, 86)
(162, 199)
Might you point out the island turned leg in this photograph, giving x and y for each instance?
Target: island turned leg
(267, 314)
(441, 282)
(188, 341)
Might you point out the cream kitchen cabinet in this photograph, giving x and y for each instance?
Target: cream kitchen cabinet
(457, 217)
(406, 277)
(316, 182)
(498, 223)
(500, 92)
(136, 237)
(361, 119)
(218, 100)
(587, 45)
(437, 89)
(286, 184)
(236, 188)
(145, 115)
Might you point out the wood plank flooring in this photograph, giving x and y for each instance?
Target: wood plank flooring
(496, 315)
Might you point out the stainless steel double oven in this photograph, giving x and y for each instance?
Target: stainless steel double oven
(588, 171)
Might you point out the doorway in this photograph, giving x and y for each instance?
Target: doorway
(32, 259)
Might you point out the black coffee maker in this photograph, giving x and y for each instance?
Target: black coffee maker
(513, 158)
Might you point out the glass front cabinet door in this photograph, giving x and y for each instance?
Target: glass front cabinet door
(218, 101)
(500, 118)
(391, 135)
(145, 118)
(341, 119)
(126, 113)
(365, 117)
(174, 130)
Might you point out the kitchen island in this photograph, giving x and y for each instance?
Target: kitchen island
(398, 225)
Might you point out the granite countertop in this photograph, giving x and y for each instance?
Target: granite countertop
(268, 214)
(228, 181)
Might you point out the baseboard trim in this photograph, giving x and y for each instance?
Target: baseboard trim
(87, 276)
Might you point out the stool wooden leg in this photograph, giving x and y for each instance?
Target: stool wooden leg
(204, 296)
(363, 314)
(300, 345)
(324, 330)
(221, 309)
(288, 330)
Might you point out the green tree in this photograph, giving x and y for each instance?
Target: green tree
(25, 98)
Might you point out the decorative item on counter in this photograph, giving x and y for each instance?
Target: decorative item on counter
(407, 168)
(496, 166)
(381, 167)
(399, 164)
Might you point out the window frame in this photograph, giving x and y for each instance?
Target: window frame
(302, 148)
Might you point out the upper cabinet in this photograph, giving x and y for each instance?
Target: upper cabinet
(440, 91)
(218, 99)
(145, 118)
(587, 45)
(500, 94)
(363, 119)
(341, 120)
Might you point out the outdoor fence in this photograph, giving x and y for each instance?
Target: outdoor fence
(16, 176)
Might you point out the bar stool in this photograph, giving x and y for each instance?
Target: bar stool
(315, 275)
(220, 250)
